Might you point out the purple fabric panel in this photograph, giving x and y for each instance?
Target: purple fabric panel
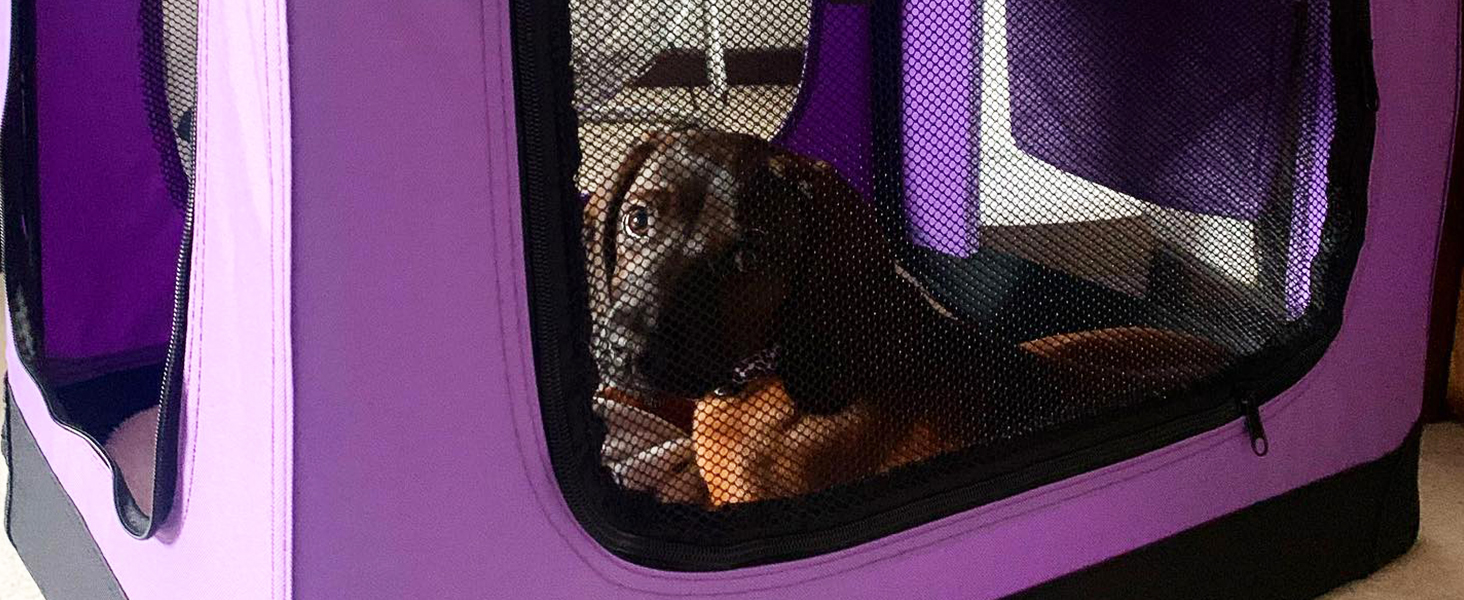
(421, 464)
(833, 117)
(1309, 209)
(1177, 102)
(407, 254)
(940, 121)
(109, 230)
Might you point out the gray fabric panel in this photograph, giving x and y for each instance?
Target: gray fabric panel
(44, 525)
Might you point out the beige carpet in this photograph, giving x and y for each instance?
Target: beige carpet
(1434, 569)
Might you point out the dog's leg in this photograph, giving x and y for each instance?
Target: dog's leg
(738, 444)
(759, 446)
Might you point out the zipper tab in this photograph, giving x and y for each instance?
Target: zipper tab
(1251, 411)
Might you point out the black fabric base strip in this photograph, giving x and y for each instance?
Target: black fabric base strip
(44, 525)
(1297, 545)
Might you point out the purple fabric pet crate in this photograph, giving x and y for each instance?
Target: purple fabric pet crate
(298, 303)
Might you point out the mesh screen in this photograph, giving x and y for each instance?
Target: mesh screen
(829, 243)
(170, 80)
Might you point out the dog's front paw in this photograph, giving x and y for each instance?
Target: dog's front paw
(758, 445)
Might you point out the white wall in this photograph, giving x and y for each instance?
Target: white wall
(659, 23)
(767, 24)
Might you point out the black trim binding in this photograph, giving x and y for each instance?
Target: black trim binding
(20, 236)
(632, 528)
(1297, 545)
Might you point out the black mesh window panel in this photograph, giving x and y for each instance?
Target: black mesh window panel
(170, 74)
(827, 270)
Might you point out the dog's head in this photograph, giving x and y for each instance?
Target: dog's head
(701, 248)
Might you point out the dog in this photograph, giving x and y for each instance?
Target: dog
(757, 285)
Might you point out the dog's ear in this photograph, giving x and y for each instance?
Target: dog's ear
(845, 266)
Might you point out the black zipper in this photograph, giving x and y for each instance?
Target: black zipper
(170, 392)
(535, 152)
(1202, 413)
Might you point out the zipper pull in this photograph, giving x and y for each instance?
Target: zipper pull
(1251, 410)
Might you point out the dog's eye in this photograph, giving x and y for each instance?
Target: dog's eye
(637, 221)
